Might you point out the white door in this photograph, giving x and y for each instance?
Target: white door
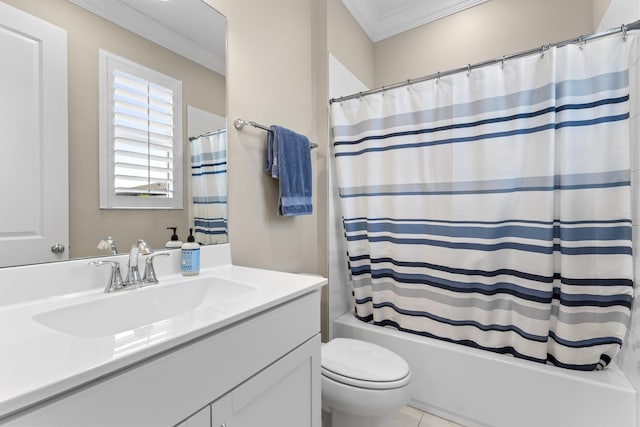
(34, 199)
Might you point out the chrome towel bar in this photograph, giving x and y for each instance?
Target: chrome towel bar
(240, 123)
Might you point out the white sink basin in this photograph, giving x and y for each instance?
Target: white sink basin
(126, 310)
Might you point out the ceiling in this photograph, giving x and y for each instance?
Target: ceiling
(385, 18)
(191, 28)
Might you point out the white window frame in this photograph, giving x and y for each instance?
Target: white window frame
(108, 64)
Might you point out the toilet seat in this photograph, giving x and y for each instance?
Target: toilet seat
(364, 365)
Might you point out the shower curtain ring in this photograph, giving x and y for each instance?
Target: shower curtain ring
(502, 62)
(623, 28)
(468, 70)
(438, 77)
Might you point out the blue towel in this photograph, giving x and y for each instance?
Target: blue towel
(287, 158)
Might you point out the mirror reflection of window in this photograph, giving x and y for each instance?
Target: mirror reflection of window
(140, 133)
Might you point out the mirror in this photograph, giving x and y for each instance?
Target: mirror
(185, 39)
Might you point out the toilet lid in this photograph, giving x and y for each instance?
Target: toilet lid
(363, 364)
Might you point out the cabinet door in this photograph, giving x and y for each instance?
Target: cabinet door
(221, 411)
(286, 394)
(202, 418)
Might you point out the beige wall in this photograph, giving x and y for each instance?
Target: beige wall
(269, 80)
(276, 74)
(86, 33)
(487, 31)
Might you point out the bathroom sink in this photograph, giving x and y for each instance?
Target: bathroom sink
(128, 310)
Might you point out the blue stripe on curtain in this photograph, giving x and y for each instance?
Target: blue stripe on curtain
(604, 82)
(502, 350)
(207, 170)
(513, 117)
(550, 183)
(504, 134)
(467, 342)
(493, 209)
(584, 250)
(211, 226)
(542, 233)
(493, 273)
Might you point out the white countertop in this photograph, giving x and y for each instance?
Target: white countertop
(38, 362)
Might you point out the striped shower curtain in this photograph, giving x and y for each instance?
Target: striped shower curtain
(209, 188)
(493, 208)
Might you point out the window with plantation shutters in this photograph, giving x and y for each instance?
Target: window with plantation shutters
(140, 136)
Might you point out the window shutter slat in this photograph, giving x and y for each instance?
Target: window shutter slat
(143, 145)
(140, 136)
(124, 154)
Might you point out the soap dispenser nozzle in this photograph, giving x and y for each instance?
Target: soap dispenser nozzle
(174, 242)
(174, 236)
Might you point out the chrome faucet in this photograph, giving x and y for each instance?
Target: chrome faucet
(133, 274)
(149, 277)
(108, 243)
(115, 279)
(133, 279)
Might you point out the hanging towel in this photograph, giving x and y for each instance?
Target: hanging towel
(287, 158)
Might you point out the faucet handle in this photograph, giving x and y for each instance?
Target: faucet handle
(149, 276)
(115, 278)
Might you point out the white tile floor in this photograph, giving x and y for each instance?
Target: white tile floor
(411, 417)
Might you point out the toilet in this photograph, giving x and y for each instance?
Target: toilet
(363, 384)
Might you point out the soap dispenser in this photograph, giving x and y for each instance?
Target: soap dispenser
(174, 242)
(190, 264)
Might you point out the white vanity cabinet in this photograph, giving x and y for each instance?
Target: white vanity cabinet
(278, 396)
(261, 371)
(202, 418)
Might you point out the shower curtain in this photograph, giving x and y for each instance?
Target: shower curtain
(492, 208)
(209, 188)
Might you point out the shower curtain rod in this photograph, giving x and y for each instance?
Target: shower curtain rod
(214, 132)
(581, 39)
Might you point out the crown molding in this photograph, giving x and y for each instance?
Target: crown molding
(380, 21)
(183, 38)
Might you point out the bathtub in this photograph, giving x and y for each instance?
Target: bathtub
(477, 388)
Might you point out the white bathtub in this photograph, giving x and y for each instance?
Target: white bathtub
(478, 388)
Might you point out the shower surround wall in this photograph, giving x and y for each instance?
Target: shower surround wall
(341, 81)
(617, 12)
